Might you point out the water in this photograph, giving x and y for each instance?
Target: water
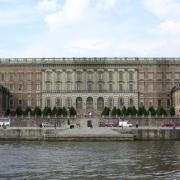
(90, 160)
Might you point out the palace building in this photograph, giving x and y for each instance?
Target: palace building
(89, 84)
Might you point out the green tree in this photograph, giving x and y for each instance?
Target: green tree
(59, 112)
(105, 112)
(113, 112)
(129, 111)
(47, 111)
(142, 111)
(172, 111)
(37, 111)
(134, 111)
(119, 113)
(54, 111)
(72, 111)
(28, 111)
(64, 112)
(161, 111)
(152, 111)
(19, 111)
(8, 112)
(124, 111)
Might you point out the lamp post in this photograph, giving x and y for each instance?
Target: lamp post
(68, 115)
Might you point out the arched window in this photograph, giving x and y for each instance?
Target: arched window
(68, 102)
(131, 102)
(89, 103)
(120, 102)
(79, 103)
(100, 103)
(110, 102)
(48, 102)
(58, 102)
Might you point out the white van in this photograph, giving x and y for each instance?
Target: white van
(125, 124)
(6, 122)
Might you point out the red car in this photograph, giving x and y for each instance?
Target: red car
(167, 124)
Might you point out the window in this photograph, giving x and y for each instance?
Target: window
(120, 75)
(38, 100)
(176, 75)
(120, 102)
(30, 76)
(120, 87)
(110, 87)
(68, 86)
(78, 86)
(141, 87)
(111, 103)
(21, 76)
(68, 76)
(130, 87)
(159, 87)
(1, 77)
(110, 76)
(159, 76)
(29, 101)
(48, 76)
(30, 87)
(168, 75)
(48, 102)
(20, 87)
(131, 74)
(131, 102)
(141, 76)
(38, 76)
(58, 102)
(11, 76)
(48, 86)
(20, 102)
(100, 103)
(11, 87)
(89, 86)
(150, 87)
(89, 76)
(58, 76)
(68, 102)
(150, 103)
(38, 87)
(100, 76)
(58, 86)
(79, 76)
(159, 102)
(100, 87)
(150, 76)
(11, 103)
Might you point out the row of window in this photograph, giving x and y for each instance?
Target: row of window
(90, 87)
(11, 76)
(89, 102)
(159, 76)
(79, 76)
(21, 87)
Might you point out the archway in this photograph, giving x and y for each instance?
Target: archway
(89, 103)
(100, 103)
(79, 103)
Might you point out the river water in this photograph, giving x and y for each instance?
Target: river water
(90, 160)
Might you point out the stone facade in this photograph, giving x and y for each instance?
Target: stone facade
(176, 98)
(89, 84)
(4, 99)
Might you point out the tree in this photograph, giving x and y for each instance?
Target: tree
(124, 110)
(118, 111)
(72, 111)
(37, 111)
(152, 111)
(142, 111)
(172, 111)
(28, 111)
(47, 111)
(19, 111)
(105, 112)
(54, 111)
(134, 111)
(160, 111)
(113, 112)
(59, 112)
(8, 112)
(64, 112)
(129, 111)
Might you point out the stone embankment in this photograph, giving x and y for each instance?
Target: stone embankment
(89, 134)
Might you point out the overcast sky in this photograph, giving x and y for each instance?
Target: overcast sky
(89, 28)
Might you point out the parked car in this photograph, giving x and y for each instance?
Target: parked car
(45, 124)
(168, 124)
(108, 124)
(125, 124)
(5, 122)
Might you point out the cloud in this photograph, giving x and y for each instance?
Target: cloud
(47, 5)
(163, 8)
(106, 4)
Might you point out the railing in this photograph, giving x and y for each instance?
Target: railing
(86, 91)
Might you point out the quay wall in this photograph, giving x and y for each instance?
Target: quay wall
(57, 134)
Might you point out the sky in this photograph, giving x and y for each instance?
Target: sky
(89, 28)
